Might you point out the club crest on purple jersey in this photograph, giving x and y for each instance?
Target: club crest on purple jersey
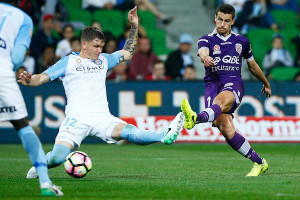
(238, 48)
(217, 49)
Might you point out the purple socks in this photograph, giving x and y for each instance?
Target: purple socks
(241, 145)
(209, 114)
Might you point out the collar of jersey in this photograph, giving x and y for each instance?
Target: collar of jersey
(75, 53)
(215, 32)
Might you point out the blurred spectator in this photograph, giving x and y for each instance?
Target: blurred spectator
(29, 62)
(291, 5)
(125, 5)
(189, 73)
(119, 73)
(75, 44)
(237, 4)
(97, 25)
(158, 72)
(94, 5)
(141, 63)
(58, 10)
(46, 60)
(27, 6)
(297, 77)
(43, 37)
(255, 14)
(107, 34)
(297, 43)
(110, 46)
(180, 58)
(33, 9)
(122, 39)
(277, 56)
(64, 46)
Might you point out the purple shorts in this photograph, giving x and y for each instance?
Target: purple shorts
(212, 89)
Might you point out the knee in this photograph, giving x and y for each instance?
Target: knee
(227, 130)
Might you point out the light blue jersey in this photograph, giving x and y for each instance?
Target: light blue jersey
(84, 81)
(15, 31)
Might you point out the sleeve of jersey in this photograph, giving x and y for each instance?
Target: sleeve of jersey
(203, 42)
(25, 32)
(112, 59)
(58, 70)
(247, 54)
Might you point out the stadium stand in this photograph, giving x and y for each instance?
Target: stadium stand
(285, 17)
(284, 73)
(260, 40)
(111, 20)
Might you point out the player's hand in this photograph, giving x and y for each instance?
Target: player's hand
(132, 17)
(208, 62)
(19, 71)
(25, 78)
(266, 91)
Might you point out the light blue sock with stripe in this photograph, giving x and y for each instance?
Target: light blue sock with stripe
(36, 153)
(57, 156)
(141, 137)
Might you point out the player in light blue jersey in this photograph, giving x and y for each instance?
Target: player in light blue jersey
(15, 36)
(87, 114)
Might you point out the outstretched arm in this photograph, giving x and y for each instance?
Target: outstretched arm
(256, 71)
(33, 80)
(130, 45)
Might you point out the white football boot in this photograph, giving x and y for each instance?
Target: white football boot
(175, 127)
(32, 173)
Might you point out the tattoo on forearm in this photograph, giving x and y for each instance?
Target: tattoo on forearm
(131, 42)
(122, 58)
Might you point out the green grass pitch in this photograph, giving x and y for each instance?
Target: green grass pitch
(178, 171)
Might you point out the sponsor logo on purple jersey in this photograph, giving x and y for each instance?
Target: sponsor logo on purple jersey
(228, 53)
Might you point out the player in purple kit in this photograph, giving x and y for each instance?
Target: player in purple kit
(222, 52)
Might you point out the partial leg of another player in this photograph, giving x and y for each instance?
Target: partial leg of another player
(54, 158)
(143, 137)
(34, 149)
(240, 144)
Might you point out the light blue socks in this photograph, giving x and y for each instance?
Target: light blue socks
(34, 149)
(57, 155)
(138, 136)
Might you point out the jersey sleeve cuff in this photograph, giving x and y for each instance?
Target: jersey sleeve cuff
(200, 49)
(250, 59)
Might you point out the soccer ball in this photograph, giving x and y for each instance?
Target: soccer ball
(78, 164)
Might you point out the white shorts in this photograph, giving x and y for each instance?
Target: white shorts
(74, 129)
(12, 105)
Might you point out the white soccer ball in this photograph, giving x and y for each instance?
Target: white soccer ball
(78, 164)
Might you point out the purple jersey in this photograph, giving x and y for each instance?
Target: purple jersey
(227, 53)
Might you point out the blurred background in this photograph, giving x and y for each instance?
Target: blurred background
(147, 91)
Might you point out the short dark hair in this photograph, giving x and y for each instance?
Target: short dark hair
(66, 26)
(49, 46)
(158, 62)
(226, 9)
(277, 36)
(73, 39)
(90, 33)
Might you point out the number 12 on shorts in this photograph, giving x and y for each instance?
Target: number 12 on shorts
(70, 122)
